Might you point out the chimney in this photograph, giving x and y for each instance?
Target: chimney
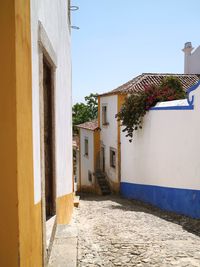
(187, 51)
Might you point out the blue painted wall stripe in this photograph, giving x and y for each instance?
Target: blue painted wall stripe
(189, 107)
(182, 201)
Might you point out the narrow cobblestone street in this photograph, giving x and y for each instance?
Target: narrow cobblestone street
(118, 232)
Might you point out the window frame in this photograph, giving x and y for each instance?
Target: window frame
(104, 112)
(86, 154)
(89, 176)
(111, 157)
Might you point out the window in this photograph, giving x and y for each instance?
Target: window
(113, 157)
(86, 153)
(104, 115)
(89, 176)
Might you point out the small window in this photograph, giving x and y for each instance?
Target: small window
(104, 115)
(113, 157)
(86, 153)
(89, 176)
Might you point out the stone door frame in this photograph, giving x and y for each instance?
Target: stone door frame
(46, 51)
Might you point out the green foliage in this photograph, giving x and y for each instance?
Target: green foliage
(136, 105)
(92, 104)
(82, 112)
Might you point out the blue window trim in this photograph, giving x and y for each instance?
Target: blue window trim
(190, 105)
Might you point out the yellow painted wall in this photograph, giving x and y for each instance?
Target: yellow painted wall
(21, 222)
(30, 223)
(8, 144)
(99, 110)
(96, 148)
(79, 158)
(64, 208)
(20, 227)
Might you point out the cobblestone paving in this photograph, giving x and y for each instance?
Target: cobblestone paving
(118, 232)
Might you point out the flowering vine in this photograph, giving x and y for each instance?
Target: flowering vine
(137, 104)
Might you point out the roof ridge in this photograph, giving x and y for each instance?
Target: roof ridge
(90, 125)
(136, 84)
(169, 73)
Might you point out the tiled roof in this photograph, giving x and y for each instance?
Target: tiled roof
(138, 83)
(89, 125)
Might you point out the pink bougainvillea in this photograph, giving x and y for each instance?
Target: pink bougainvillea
(137, 104)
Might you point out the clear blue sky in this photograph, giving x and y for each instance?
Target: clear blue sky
(119, 39)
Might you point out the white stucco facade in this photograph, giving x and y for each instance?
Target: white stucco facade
(87, 161)
(166, 151)
(59, 36)
(108, 134)
(191, 60)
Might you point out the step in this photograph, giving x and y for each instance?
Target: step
(104, 183)
(76, 201)
(102, 180)
(100, 177)
(105, 187)
(106, 193)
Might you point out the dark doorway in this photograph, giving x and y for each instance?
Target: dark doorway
(48, 140)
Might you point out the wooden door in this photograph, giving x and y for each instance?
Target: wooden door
(48, 140)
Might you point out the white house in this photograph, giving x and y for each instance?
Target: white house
(36, 128)
(110, 133)
(88, 153)
(109, 106)
(162, 166)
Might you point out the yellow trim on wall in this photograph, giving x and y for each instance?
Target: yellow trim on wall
(79, 188)
(21, 226)
(96, 140)
(64, 208)
(9, 227)
(120, 101)
(99, 110)
(30, 222)
(20, 234)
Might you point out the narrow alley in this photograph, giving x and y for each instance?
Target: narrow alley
(116, 232)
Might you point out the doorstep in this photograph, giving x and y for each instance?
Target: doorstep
(76, 201)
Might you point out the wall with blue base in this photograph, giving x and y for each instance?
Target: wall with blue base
(182, 201)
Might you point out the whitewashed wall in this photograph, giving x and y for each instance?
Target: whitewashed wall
(87, 162)
(108, 134)
(54, 17)
(165, 153)
(193, 62)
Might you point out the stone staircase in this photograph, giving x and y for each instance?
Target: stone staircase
(103, 183)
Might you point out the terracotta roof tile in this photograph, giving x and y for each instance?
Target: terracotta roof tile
(89, 125)
(138, 83)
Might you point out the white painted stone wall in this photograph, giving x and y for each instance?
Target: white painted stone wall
(192, 62)
(108, 134)
(166, 152)
(87, 162)
(54, 17)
